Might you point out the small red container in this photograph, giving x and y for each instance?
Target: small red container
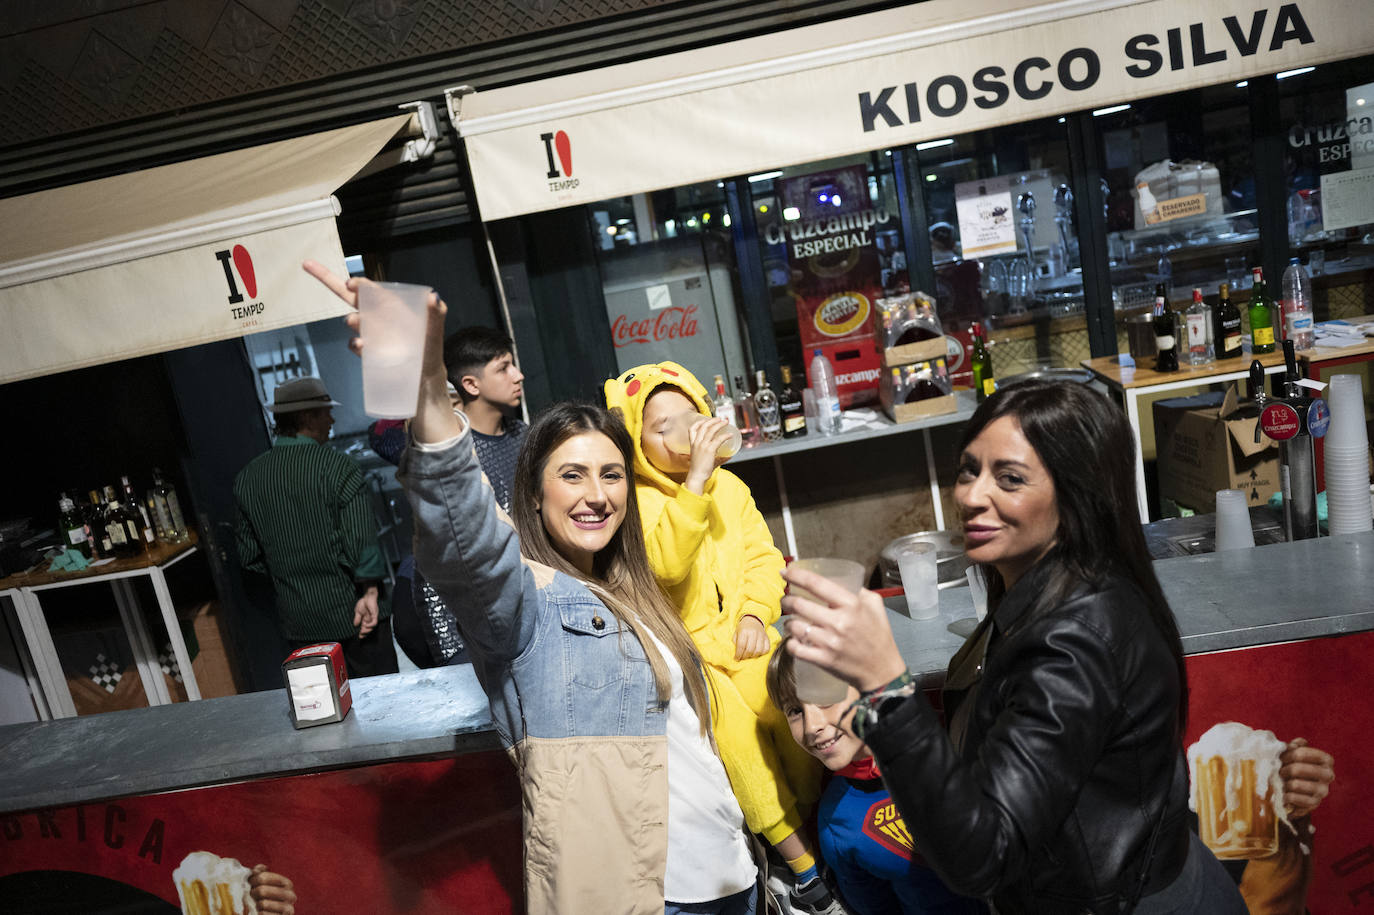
(317, 688)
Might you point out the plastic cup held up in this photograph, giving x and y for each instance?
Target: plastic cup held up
(920, 580)
(814, 685)
(392, 320)
(676, 435)
(1233, 521)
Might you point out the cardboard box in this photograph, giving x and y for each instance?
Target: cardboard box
(930, 406)
(1203, 445)
(921, 351)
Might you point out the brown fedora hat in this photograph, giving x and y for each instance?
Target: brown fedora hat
(301, 394)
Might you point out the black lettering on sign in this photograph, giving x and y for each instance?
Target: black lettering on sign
(1023, 70)
(870, 110)
(81, 824)
(1175, 38)
(934, 103)
(114, 837)
(989, 79)
(1091, 62)
(913, 103)
(152, 842)
(11, 827)
(47, 824)
(1247, 43)
(1138, 48)
(1290, 26)
(1200, 53)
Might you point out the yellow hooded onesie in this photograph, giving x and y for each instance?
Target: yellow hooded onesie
(715, 557)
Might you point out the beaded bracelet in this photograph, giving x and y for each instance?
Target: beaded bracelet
(865, 708)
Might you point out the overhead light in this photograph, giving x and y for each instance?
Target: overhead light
(764, 176)
(790, 213)
(934, 144)
(1359, 101)
(1112, 110)
(835, 200)
(1242, 84)
(930, 177)
(763, 208)
(725, 220)
(611, 230)
(720, 184)
(1298, 72)
(887, 152)
(705, 217)
(1061, 120)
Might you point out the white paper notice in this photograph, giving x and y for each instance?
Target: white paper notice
(1347, 199)
(986, 225)
(310, 692)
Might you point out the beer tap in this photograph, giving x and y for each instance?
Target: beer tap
(1297, 465)
(1025, 204)
(1063, 218)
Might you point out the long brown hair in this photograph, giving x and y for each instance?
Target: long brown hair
(1088, 448)
(621, 578)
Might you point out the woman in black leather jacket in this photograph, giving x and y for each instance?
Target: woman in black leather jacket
(1060, 785)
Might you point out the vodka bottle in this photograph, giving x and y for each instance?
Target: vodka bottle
(766, 406)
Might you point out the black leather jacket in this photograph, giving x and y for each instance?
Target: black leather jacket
(1062, 759)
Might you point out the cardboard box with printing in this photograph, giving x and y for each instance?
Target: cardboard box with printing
(1204, 444)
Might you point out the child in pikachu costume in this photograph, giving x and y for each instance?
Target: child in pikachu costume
(711, 550)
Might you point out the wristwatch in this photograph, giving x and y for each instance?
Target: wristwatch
(873, 705)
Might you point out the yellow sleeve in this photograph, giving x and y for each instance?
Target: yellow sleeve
(676, 536)
(763, 584)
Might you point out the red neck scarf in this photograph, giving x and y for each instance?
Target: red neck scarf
(861, 770)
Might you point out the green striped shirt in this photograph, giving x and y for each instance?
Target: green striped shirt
(304, 521)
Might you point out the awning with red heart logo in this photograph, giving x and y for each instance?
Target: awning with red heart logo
(921, 72)
(177, 255)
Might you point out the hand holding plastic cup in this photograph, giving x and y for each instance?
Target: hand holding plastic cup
(1233, 521)
(816, 686)
(920, 580)
(392, 320)
(677, 435)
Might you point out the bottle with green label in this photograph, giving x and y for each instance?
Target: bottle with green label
(984, 382)
(73, 527)
(1261, 312)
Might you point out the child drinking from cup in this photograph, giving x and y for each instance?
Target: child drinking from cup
(712, 552)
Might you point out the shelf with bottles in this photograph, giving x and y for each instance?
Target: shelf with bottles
(117, 523)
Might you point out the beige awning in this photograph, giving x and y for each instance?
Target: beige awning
(921, 72)
(177, 255)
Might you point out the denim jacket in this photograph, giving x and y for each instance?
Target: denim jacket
(572, 696)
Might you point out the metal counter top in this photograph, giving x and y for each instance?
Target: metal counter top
(1275, 593)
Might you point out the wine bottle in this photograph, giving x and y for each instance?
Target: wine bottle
(791, 406)
(72, 526)
(123, 542)
(1166, 339)
(99, 540)
(134, 504)
(1261, 312)
(980, 363)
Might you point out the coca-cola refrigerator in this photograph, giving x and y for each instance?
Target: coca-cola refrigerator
(684, 312)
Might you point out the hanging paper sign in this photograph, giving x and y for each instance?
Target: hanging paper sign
(986, 225)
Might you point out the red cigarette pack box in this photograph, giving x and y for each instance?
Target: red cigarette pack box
(317, 687)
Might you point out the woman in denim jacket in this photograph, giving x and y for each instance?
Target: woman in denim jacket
(595, 688)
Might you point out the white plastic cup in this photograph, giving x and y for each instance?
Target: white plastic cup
(1347, 432)
(920, 580)
(676, 435)
(816, 686)
(1233, 521)
(392, 319)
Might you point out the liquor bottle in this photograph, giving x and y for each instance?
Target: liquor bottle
(826, 393)
(1261, 315)
(72, 526)
(791, 406)
(167, 508)
(745, 418)
(116, 530)
(1166, 341)
(134, 504)
(766, 407)
(721, 404)
(1226, 322)
(95, 527)
(1201, 350)
(984, 382)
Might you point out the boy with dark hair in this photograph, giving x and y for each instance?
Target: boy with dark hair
(862, 836)
(481, 367)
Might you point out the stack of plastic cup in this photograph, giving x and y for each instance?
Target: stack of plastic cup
(1233, 521)
(1346, 456)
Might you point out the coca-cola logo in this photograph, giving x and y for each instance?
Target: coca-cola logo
(841, 314)
(672, 323)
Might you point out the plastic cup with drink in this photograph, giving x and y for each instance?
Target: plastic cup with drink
(815, 685)
(677, 434)
(920, 580)
(392, 321)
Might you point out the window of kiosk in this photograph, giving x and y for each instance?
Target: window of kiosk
(1327, 119)
(830, 241)
(1180, 187)
(669, 280)
(1004, 242)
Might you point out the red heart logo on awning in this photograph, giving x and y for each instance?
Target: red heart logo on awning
(244, 264)
(564, 147)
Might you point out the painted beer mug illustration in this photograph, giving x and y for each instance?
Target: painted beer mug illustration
(210, 885)
(1237, 792)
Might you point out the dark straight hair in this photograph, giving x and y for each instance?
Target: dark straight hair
(468, 350)
(1088, 448)
(621, 577)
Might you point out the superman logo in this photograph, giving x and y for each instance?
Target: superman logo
(883, 824)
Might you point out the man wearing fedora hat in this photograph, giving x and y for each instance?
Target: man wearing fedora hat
(304, 521)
